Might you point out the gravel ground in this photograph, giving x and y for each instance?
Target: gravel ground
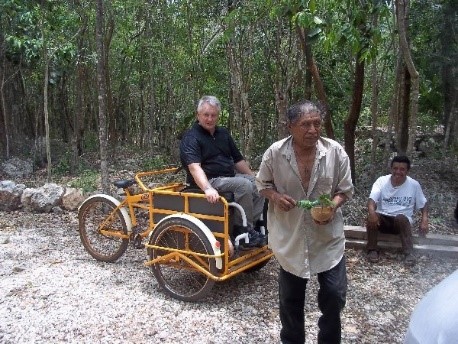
(52, 291)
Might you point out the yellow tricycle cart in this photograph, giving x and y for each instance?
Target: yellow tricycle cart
(187, 239)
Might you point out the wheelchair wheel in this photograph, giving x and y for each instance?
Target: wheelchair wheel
(179, 278)
(103, 247)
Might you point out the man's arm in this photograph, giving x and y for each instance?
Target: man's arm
(424, 224)
(202, 182)
(243, 167)
(372, 216)
(339, 199)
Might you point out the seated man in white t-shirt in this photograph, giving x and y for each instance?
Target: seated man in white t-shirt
(391, 205)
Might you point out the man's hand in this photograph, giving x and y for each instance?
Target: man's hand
(424, 227)
(211, 194)
(284, 202)
(373, 219)
(321, 223)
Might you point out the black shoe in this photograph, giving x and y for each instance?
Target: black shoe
(255, 238)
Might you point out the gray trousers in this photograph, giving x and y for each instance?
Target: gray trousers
(245, 193)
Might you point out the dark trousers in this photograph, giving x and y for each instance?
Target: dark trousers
(398, 224)
(331, 301)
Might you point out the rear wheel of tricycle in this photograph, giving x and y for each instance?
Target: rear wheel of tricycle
(182, 279)
(108, 246)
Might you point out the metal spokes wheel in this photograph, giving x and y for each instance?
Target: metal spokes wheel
(101, 229)
(179, 277)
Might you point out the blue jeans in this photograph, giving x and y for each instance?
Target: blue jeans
(331, 301)
(245, 193)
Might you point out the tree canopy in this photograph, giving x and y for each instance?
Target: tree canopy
(387, 64)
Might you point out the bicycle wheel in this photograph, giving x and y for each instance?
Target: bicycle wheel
(109, 246)
(177, 277)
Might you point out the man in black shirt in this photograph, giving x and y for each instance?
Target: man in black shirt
(214, 164)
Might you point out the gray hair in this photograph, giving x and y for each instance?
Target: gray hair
(304, 107)
(212, 100)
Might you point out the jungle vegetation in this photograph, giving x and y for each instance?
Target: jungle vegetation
(89, 75)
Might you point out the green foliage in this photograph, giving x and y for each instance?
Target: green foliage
(91, 141)
(307, 204)
(34, 27)
(87, 180)
(63, 166)
(164, 55)
(154, 163)
(323, 200)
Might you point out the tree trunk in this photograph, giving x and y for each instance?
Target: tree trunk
(281, 102)
(5, 134)
(451, 127)
(449, 72)
(45, 109)
(353, 116)
(79, 114)
(319, 87)
(374, 116)
(412, 81)
(46, 113)
(282, 83)
(109, 112)
(240, 102)
(402, 123)
(240, 91)
(101, 80)
(394, 110)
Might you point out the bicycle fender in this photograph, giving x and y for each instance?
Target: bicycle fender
(123, 210)
(203, 227)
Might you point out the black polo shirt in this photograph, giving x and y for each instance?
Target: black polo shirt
(216, 154)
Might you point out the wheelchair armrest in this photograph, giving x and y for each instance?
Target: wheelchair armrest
(229, 196)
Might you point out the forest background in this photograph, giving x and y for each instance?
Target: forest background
(81, 77)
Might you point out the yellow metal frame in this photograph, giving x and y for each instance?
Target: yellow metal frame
(145, 200)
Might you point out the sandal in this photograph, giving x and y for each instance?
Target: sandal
(410, 259)
(372, 256)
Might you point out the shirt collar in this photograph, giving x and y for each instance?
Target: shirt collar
(289, 150)
(203, 130)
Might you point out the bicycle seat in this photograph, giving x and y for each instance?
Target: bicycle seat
(125, 183)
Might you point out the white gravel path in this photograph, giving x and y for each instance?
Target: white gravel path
(52, 291)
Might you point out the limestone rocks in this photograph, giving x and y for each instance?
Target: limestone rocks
(44, 199)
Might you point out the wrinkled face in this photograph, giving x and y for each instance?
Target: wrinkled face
(307, 129)
(399, 172)
(208, 117)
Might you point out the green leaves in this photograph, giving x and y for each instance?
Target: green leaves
(323, 200)
(326, 201)
(307, 204)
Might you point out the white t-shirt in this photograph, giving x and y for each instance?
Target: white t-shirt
(394, 200)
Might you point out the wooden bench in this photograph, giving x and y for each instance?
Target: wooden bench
(436, 244)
